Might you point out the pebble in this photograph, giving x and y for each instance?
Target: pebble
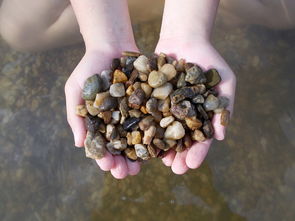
(146, 122)
(159, 132)
(183, 109)
(157, 79)
(198, 136)
(143, 110)
(120, 144)
(165, 122)
(106, 77)
(134, 113)
(213, 78)
(208, 129)
(195, 75)
(151, 105)
(97, 148)
(184, 93)
(199, 99)
(130, 153)
(202, 112)
(161, 60)
(152, 150)
(106, 116)
(164, 105)
(175, 131)
(87, 141)
(116, 115)
(211, 103)
(147, 89)
(131, 53)
(115, 64)
(141, 64)
(162, 92)
(111, 132)
(123, 107)
(112, 150)
(136, 137)
(187, 141)
(105, 102)
(223, 102)
(143, 76)
(181, 81)
(149, 135)
(225, 117)
(170, 144)
(92, 123)
(130, 123)
(179, 66)
(130, 90)
(134, 74)
(137, 85)
(92, 86)
(153, 60)
(169, 71)
(159, 144)
(123, 61)
(117, 90)
(119, 77)
(136, 98)
(81, 110)
(91, 110)
(141, 151)
(179, 146)
(193, 123)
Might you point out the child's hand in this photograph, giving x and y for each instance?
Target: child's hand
(202, 53)
(94, 62)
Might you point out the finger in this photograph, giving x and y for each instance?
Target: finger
(73, 98)
(168, 158)
(107, 162)
(120, 169)
(197, 153)
(179, 165)
(133, 167)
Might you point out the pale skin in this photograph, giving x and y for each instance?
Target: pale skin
(105, 27)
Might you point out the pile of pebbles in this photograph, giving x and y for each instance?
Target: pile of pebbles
(144, 106)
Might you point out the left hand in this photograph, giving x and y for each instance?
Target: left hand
(204, 54)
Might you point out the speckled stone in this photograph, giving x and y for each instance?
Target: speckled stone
(181, 81)
(111, 132)
(92, 86)
(175, 131)
(159, 144)
(136, 137)
(152, 150)
(104, 102)
(193, 123)
(130, 153)
(199, 99)
(195, 75)
(91, 109)
(81, 110)
(117, 90)
(112, 150)
(131, 53)
(136, 98)
(97, 148)
(92, 123)
(120, 144)
(152, 105)
(157, 79)
(146, 122)
(183, 109)
(164, 105)
(162, 92)
(185, 93)
(141, 151)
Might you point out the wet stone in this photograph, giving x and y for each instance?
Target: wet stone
(208, 129)
(92, 86)
(195, 75)
(225, 117)
(141, 151)
(175, 131)
(92, 123)
(119, 77)
(183, 109)
(198, 136)
(117, 90)
(157, 79)
(130, 153)
(213, 78)
(169, 71)
(211, 103)
(130, 123)
(181, 81)
(162, 92)
(136, 98)
(141, 64)
(81, 110)
(199, 99)
(104, 102)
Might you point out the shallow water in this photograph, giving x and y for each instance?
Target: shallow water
(249, 176)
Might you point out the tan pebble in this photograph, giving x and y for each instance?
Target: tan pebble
(143, 76)
(157, 79)
(141, 151)
(141, 64)
(131, 53)
(224, 118)
(193, 123)
(187, 141)
(149, 135)
(167, 114)
(175, 131)
(179, 146)
(81, 110)
(134, 113)
(143, 109)
(130, 153)
(147, 89)
(164, 105)
(165, 122)
(179, 66)
(106, 116)
(169, 71)
(146, 122)
(162, 92)
(119, 77)
(198, 136)
(100, 97)
(91, 110)
(120, 144)
(170, 143)
(161, 60)
(136, 137)
(130, 90)
(160, 144)
(129, 138)
(137, 85)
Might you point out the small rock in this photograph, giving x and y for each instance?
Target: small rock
(106, 116)
(169, 71)
(134, 74)
(143, 109)
(175, 131)
(116, 115)
(146, 122)
(213, 78)
(123, 61)
(141, 151)
(128, 69)
(179, 146)
(106, 77)
(81, 110)
(91, 110)
(149, 135)
(193, 123)
(181, 81)
(161, 60)
(104, 102)
(130, 153)
(130, 90)
(152, 150)
(88, 139)
(153, 62)
(97, 148)
(184, 93)
(134, 113)
(112, 150)
(224, 118)
(195, 75)
(211, 103)
(208, 129)
(92, 123)
(165, 122)
(199, 99)
(143, 76)
(157, 116)
(202, 112)
(159, 132)
(183, 109)
(111, 132)
(157, 79)
(152, 105)
(117, 90)
(147, 89)
(170, 144)
(187, 141)
(115, 64)
(136, 98)
(136, 137)
(170, 59)
(120, 144)
(167, 114)
(198, 136)
(164, 105)
(162, 92)
(131, 53)
(130, 123)
(137, 85)
(119, 77)
(179, 66)
(141, 64)
(159, 144)
(123, 107)
(92, 86)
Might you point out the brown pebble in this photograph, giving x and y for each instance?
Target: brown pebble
(208, 129)
(149, 135)
(112, 150)
(134, 113)
(130, 90)
(119, 77)
(164, 105)
(159, 144)
(153, 63)
(159, 132)
(146, 122)
(131, 53)
(81, 110)
(183, 109)
(97, 148)
(115, 64)
(136, 98)
(111, 132)
(225, 117)
(170, 144)
(91, 110)
(198, 135)
(132, 78)
(179, 146)
(193, 123)
(130, 153)
(143, 109)
(120, 144)
(151, 105)
(180, 65)
(187, 141)
(106, 116)
(152, 150)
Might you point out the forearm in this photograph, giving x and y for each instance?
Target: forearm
(188, 19)
(103, 22)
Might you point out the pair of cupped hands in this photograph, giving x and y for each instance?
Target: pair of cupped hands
(96, 60)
